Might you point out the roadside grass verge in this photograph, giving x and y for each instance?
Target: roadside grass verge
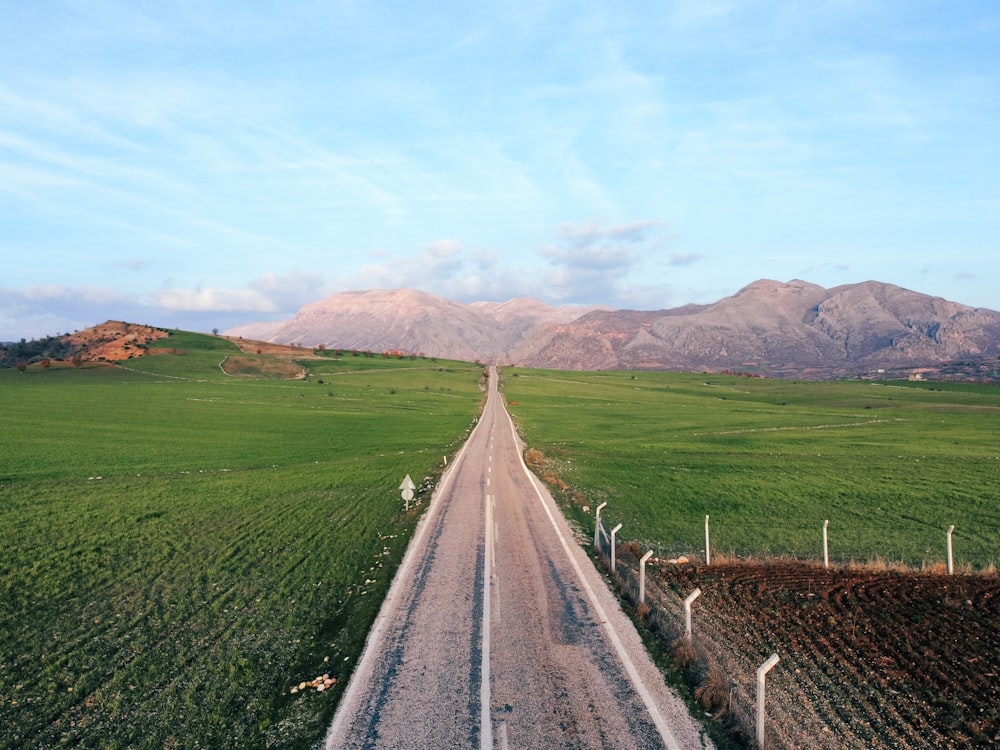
(890, 465)
(182, 547)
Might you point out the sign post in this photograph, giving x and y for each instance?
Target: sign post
(407, 488)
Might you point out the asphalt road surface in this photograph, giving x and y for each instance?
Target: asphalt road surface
(498, 632)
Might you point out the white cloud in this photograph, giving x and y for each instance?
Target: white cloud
(583, 235)
(50, 309)
(443, 248)
(604, 257)
(214, 300)
(41, 294)
(291, 291)
(449, 269)
(591, 263)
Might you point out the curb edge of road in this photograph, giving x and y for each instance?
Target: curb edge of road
(362, 671)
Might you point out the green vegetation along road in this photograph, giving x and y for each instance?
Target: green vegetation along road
(501, 633)
(183, 548)
(891, 465)
(191, 539)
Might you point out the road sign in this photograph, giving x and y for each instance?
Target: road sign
(407, 487)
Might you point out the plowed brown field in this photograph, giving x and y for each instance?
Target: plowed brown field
(868, 659)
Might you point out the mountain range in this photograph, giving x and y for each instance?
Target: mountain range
(793, 329)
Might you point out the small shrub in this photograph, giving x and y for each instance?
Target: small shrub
(715, 692)
(684, 653)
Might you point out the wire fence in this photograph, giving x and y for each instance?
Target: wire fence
(906, 544)
(817, 696)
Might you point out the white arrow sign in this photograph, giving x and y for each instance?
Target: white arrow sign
(407, 487)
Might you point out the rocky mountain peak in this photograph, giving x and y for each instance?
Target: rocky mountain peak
(793, 328)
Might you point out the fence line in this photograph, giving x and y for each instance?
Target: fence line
(832, 547)
(667, 614)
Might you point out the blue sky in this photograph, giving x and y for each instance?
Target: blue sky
(199, 165)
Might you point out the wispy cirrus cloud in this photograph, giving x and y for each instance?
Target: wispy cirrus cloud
(591, 234)
(447, 150)
(133, 264)
(684, 259)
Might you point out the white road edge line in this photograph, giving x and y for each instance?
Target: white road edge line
(485, 723)
(362, 672)
(661, 725)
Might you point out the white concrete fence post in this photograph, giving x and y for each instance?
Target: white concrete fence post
(642, 576)
(951, 562)
(614, 531)
(708, 554)
(687, 613)
(826, 546)
(762, 670)
(597, 527)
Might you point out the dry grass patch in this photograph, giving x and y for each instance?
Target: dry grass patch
(254, 367)
(715, 691)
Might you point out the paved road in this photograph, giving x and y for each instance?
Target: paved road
(497, 631)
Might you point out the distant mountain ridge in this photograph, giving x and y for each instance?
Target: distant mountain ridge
(793, 329)
(415, 322)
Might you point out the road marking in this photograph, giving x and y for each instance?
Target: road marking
(654, 712)
(496, 538)
(485, 723)
(376, 635)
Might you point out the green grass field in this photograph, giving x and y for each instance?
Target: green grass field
(890, 465)
(182, 547)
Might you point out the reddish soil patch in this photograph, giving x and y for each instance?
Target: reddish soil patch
(115, 340)
(868, 659)
(274, 350)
